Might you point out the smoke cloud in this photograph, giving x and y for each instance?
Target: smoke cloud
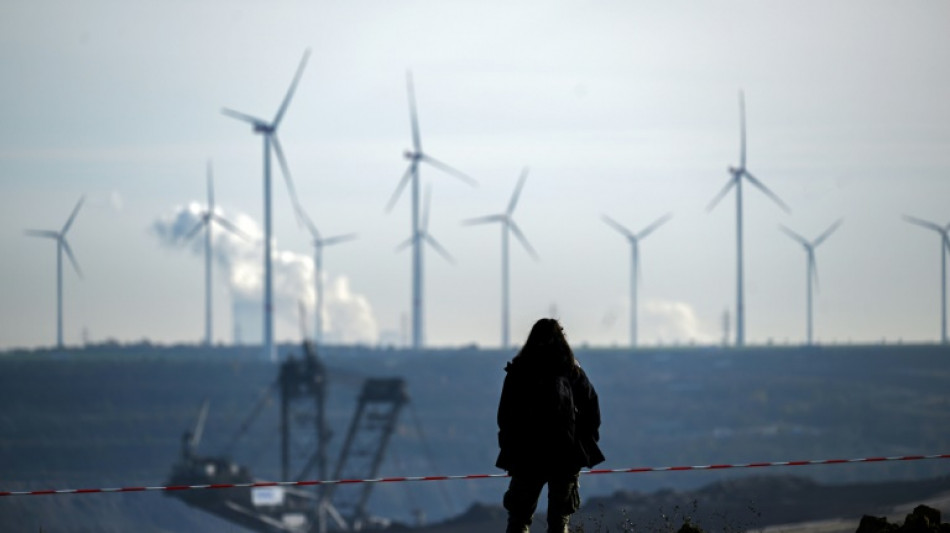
(673, 321)
(348, 316)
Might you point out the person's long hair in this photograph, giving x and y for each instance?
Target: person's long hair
(547, 348)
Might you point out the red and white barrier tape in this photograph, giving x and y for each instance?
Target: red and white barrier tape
(637, 470)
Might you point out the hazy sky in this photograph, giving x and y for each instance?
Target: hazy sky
(622, 108)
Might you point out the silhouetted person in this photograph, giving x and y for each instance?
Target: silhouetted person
(548, 428)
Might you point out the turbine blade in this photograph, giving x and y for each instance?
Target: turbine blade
(616, 225)
(72, 217)
(725, 190)
(339, 239)
(290, 91)
(438, 248)
(765, 190)
(449, 170)
(72, 258)
(242, 117)
(821, 238)
(285, 169)
(521, 238)
(314, 232)
(923, 223)
(652, 227)
(228, 225)
(41, 233)
(804, 242)
(484, 220)
(413, 118)
(514, 196)
(742, 150)
(191, 233)
(403, 245)
(303, 217)
(402, 185)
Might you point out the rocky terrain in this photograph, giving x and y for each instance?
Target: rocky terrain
(770, 503)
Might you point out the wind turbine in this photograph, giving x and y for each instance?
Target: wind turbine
(811, 267)
(61, 245)
(269, 132)
(508, 225)
(208, 217)
(634, 240)
(318, 243)
(415, 156)
(737, 173)
(944, 232)
(423, 235)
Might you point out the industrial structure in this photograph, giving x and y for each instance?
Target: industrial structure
(302, 385)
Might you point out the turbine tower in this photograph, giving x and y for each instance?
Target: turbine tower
(207, 218)
(318, 243)
(508, 225)
(61, 245)
(634, 240)
(737, 174)
(944, 232)
(415, 156)
(811, 269)
(268, 130)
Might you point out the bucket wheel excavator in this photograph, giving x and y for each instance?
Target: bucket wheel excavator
(302, 388)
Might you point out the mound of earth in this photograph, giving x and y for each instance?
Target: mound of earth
(923, 520)
(739, 504)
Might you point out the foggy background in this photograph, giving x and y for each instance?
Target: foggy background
(618, 108)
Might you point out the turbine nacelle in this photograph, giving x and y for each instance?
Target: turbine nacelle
(634, 238)
(412, 156)
(263, 128)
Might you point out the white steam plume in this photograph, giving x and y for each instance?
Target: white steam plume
(348, 316)
(673, 321)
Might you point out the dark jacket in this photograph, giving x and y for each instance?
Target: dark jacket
(524, 448)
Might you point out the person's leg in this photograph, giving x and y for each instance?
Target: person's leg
(563, 501)
(520, 501)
